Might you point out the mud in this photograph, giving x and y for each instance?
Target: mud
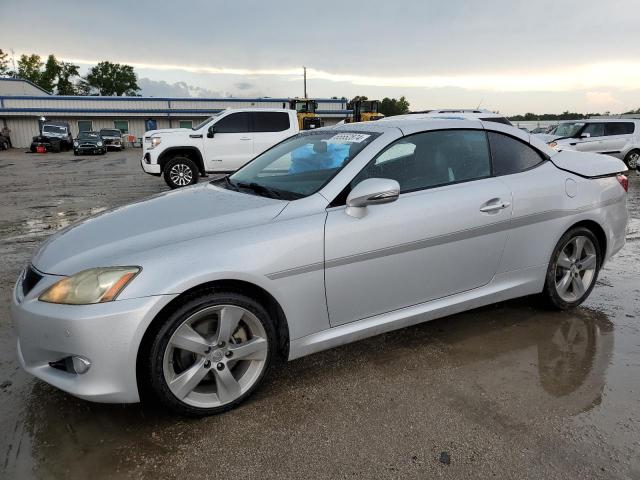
(507, 391)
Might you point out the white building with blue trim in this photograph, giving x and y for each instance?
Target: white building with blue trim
(22, 103)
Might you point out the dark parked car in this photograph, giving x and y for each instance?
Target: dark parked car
(112, 138)
(89, 142)
(55, 137)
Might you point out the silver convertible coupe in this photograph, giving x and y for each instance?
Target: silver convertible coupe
(330, 236)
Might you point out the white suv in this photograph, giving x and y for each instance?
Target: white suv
(222, 143)
(616, 137)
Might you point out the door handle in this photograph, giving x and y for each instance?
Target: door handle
(245, 138)
(494, 207)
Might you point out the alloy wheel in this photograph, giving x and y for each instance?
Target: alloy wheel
(181, 174)
(632, 160)
(215, 356)
(575, 268)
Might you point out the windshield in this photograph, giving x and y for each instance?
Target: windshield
(110, 133)
(54, 129)
(88, 135)
(568, 129)
(202, 124)
(300, 165)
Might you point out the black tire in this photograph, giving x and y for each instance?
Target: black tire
(153, 383)
(631, 159)
(184, 164)
(550, 292)
(75, 153)
(55, 147)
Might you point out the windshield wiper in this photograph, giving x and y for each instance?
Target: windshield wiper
(229, 183)
(259, 189)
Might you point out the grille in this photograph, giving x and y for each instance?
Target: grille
(87, 145)
(30, 279)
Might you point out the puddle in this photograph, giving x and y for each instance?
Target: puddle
(38, 227)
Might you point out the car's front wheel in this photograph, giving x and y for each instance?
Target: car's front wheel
(573, 268)
(210, 353)
(632, 159)
(180, 172)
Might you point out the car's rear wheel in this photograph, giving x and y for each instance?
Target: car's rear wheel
(211, 353)
(573, 268)
(632, 159)
(180, 172)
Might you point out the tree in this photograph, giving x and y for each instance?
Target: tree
(4, 63)
(64, 85)
(113, 79)
(49, 75)
(390, 106)
(29, 68)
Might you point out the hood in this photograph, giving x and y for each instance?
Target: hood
(168, 218)
(166, 131)
(546, 137)
(93, 141)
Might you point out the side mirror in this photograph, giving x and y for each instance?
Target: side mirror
(211, 131)
(585, 135)
(372, 191)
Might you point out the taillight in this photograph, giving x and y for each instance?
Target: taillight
(624, 181)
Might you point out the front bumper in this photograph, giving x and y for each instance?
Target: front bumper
(108, 334)
(85, 150)
(148, 167)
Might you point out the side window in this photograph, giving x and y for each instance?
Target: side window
(619, 128)
(270, 121)
(594, 129)
(510, 155)
(502, 120)
(233, 123)
(432, 159)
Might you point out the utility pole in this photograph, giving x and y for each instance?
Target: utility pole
(13, 60)
(305, 81)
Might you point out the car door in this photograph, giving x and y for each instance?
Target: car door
(591, 138)
(228, 144)
(617, 136)
(268, 128)
(444, 234)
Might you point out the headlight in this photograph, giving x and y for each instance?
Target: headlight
(155, 141)
(96, 285)
(99, 144)
(553, 144)
(75, 144)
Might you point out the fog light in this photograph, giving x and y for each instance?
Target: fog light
(80, 365)
(74, 364)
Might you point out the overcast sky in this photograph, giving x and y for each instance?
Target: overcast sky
(509, 55)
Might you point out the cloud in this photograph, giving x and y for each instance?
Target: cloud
(602, 99)
(619, 75)
(160, 88)
(244, 85)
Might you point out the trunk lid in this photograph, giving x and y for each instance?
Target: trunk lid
(588, 164)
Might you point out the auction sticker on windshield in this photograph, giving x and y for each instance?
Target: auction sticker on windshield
(349, 138)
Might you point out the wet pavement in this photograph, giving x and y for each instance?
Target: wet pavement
(507, 391)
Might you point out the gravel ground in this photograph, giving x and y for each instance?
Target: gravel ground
(507, 391)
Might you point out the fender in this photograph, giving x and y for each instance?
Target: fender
(191, 152)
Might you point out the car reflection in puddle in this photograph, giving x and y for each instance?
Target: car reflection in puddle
(543, 362)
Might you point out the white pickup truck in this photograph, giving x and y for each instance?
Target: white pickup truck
(222, 143)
